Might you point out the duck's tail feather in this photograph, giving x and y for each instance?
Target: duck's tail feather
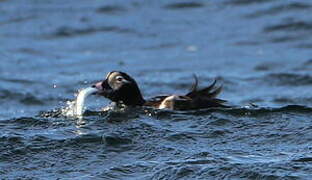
(220, 101)
(209, 88)
(208, 92)
(214, 92)
(206, 96)
(195, 84)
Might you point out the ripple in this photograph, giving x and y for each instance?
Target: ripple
(247, 2)
(304, 46)
(11, 147)
(26, 99)
(184, 5)
(267, 66)
(19, 81)
(254, 112)
(181, 136)
(220, 122)
(66, 31)
(287, 38)
(287, 100)
(289, 26)
(115, 140)
(7, 94)
(29, 122)
(303, 159)
(85, 139)
(126, 171)
(111, 9)
(307, 65)
(31, 100)
(294, 6)
(289, 79)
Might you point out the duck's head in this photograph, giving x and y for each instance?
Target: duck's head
(120, 87)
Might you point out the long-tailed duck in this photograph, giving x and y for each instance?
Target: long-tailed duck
(119, 87)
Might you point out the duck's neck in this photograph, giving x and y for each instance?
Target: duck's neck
(134, 100)
(132, 97)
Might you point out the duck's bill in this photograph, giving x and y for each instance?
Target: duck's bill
(101, 90)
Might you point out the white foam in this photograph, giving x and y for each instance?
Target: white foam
(83, 94)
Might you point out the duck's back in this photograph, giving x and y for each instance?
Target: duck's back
(195, 99)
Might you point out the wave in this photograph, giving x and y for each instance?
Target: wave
(66, 31)
(288, 79)
(279, 9)
(135, 112)
(184, 5)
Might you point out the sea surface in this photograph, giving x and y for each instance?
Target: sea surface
(259, 50)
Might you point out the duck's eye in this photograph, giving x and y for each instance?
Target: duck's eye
(119, 78)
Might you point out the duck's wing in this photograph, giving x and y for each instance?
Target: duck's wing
(155, 101)
(195, 99)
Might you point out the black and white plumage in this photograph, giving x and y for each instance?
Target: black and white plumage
(119, 87)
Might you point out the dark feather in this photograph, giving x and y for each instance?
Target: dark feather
(206, 97)
(220, 101)
(209, 88)
(195, 84)
(214, 93)
(205, 91)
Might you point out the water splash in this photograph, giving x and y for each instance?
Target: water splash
(69, 110)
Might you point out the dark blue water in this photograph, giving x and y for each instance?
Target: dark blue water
(260, 50)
